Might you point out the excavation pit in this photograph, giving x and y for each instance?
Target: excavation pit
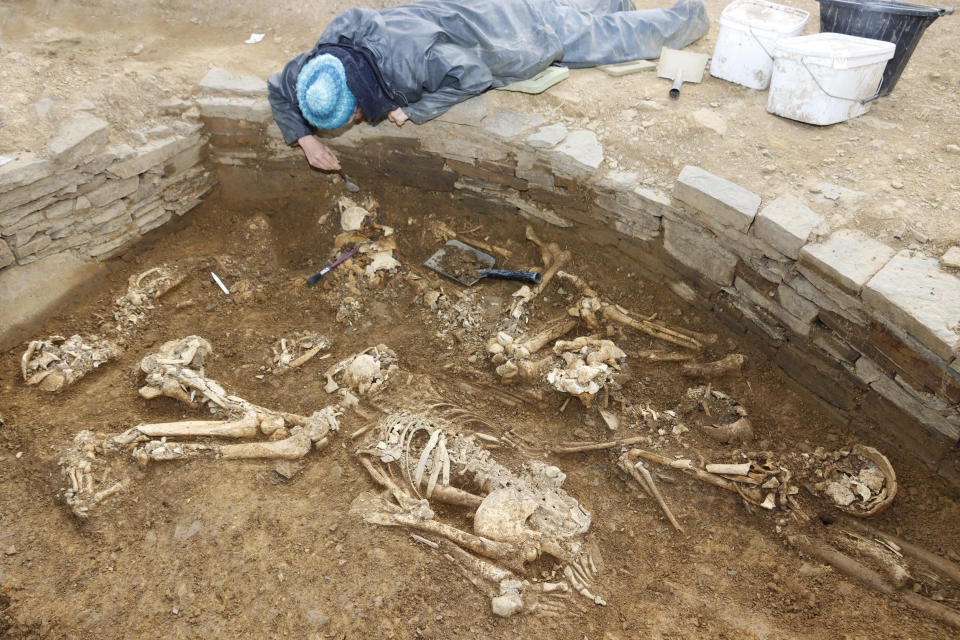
(206, 545)
(740, 289)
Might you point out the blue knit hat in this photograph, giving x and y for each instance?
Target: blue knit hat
(322, 93)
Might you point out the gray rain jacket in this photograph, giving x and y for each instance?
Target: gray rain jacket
(433, 54)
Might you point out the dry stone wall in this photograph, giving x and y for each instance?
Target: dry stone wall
(94, 198)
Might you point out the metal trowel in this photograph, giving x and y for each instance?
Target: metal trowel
(680, 66)
(466, 265)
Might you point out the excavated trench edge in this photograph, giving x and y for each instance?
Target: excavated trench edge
(852, 335)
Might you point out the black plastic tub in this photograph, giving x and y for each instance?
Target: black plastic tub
(898, 22)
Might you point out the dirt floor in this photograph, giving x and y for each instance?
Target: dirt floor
(215, 547)
(891, 173)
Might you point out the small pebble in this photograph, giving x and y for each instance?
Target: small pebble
(896, 184)
(11, 551)
(19, 454)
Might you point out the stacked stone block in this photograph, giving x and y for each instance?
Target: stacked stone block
(93, 198)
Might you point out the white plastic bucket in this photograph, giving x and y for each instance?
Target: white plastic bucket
(826, 78)
(749, 29)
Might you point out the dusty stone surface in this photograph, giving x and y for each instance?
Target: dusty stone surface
(848, 258)
(548, 136)
(786, 223)
(509, 124)
(915, 293)
(6, 256)
(220, 80)
(722, 202)
(253, 109)
(78, 137)
(699, 251)
(951, 258)
(580, 153)
(24, 168)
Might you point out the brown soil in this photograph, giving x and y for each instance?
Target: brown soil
(227, 548)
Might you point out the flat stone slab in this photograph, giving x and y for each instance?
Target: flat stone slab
(79, 137)
(786, 223)
(722, 203)
(626, 68)
(222, 81)
(469, 112)
(509, 124)
(540, 82)
(6, 256)
(951, 258)
(24, 168)
(849, 258)
(547, 137)
(579, 151)
(915, 293)
(252, 109)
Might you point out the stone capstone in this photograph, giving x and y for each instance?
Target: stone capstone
(786, 223)
(79, 137)
(912, 291)
(252, 109)
(469, 113)
(721, 202)
(509, 124)
(24, 169)
(222, 81)
(848, 258)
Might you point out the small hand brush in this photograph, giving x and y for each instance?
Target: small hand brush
(313, 279)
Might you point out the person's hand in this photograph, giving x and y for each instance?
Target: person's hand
(397, 116)
(318, 154)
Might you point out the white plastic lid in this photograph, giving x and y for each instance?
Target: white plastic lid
(763, 15)
(836, 50)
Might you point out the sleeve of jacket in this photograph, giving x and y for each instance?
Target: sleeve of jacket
(282, 93)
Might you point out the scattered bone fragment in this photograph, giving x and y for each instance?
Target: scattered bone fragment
(131, 309)
(729, 469)
(296, 350)
(442, 232)
(739, 431)
(640, 474)
(717, 415)
(728, 365)
(57, 362)
(856, 570)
